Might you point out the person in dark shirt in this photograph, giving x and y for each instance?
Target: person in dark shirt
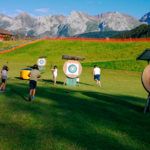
(34, 74)
(3, 75)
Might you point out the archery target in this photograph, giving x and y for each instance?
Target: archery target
(72, 69)
(41, 62)
(146, 78)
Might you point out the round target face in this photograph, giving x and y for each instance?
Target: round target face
(72, 68)
(41, 62)
(146, 78)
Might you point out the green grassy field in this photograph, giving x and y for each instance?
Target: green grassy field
(85, 118)
(6, 44)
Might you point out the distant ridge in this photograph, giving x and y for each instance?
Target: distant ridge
(104, 34)
(143, 31)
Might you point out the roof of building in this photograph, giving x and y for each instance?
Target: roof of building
(145, 55)
(2, 31)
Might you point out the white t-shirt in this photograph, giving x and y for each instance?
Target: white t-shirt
(97, 71)
(4, 74)
(55, 73)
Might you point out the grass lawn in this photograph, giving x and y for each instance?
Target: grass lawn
(85, 118)
(7, 44)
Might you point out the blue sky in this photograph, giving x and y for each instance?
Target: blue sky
(135, 8)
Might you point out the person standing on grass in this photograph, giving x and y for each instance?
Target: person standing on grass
(54, 70)
(78, 81)
(97, 74)
(3, 75)
(34, 74)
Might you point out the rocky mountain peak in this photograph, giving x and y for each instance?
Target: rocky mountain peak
(117, 22)
(76, 22)
(77, 15)
(146, 18)
(23, 15)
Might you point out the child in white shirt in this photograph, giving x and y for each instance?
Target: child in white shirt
(54, 70)
(96, 74)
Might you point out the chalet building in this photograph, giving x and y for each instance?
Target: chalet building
(26, 37)
(5, 35)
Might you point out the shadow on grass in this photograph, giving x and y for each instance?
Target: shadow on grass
(60, 82)
(90, 121)
(85, 84)
(52, 82)
(18, 78)
(30, 67)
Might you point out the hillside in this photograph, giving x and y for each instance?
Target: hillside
(93, 52)
(6, 44)
(103, 34)
(143, 31)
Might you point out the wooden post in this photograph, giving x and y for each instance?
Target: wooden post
(147, 104)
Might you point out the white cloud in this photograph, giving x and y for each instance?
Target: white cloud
(19, 11)
(42, 10)
(12, 15)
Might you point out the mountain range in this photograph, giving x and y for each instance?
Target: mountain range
(76, 23)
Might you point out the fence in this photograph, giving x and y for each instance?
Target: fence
(99, 40)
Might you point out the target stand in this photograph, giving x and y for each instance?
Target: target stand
(147, 105)
(72, 69)
(71, 82)
(41, 68)
(146, 77)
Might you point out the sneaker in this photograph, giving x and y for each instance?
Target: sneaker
(32, 97)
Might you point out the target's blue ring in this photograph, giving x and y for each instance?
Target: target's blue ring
(72, 68)
(41, 62)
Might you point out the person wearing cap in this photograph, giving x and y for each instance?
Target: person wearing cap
(34, 75)
(96, 74)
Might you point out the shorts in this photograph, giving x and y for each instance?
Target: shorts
(33, 84)
(97, 77)
(4, 80)
(54, 75)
